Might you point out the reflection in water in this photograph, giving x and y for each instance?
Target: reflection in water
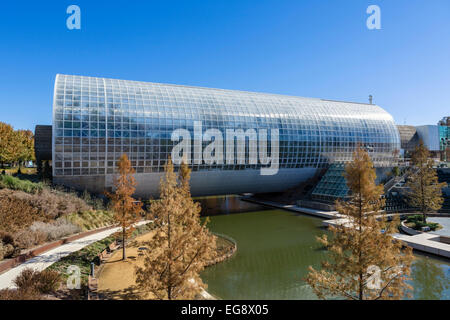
(275, 248)
(431, 278)
(218, 205)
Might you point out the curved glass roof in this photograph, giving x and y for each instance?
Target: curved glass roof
(95, 120)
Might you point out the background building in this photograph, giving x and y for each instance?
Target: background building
(429, 134)
(444, 138)
(95, 120)
(435, 137)
(43, 143)
(409, 139)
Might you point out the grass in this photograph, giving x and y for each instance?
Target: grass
(84, 257)
(89, 220)
(15, 183)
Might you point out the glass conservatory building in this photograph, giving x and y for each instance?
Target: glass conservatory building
(96, 120)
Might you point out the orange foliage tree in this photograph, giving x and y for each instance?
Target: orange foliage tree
(425, 191)
(6, 145)
(365, 263)
(181, 246)
(126, 209)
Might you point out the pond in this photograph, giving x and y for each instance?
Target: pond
(275, 249)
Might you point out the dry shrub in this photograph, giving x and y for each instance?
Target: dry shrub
(15, 212)
(6, 250)
(57, 204)
(26, 238)
(25, 281)
(48, 281)
(30, 218)
(18, 210)
(41, 282)
(13, 294)
(40, 232)
(6, 237)
(8, 247)
(54, 230)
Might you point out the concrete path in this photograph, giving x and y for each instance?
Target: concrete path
(427, 242)
(291, 207)
(444, 222)
(48, 258)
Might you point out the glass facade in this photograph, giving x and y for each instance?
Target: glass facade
(333, 184)
(444, 137)
(95, 120)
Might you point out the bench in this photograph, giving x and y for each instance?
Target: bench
(113, 246)
(103, 255)
(107, 252)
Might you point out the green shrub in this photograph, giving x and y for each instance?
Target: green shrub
(396, 171)
(433, 226)
(414, 218)
(417, 223)
(15, 183)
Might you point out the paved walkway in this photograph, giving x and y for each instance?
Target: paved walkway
(291, 207)
(444, 222)
(48, 258)
(427, 242)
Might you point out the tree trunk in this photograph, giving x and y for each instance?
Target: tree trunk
(124, 255)
(361, 284)
(424, 218)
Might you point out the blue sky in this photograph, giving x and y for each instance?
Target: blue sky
(305, 48)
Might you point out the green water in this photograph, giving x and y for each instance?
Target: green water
(276, 247)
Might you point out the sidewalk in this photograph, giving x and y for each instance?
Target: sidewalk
(313, 212)
(44, 260)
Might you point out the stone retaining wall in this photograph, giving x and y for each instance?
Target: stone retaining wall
(408, 230)
(226, 255)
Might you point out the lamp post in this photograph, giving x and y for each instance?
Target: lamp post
(92, 270)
